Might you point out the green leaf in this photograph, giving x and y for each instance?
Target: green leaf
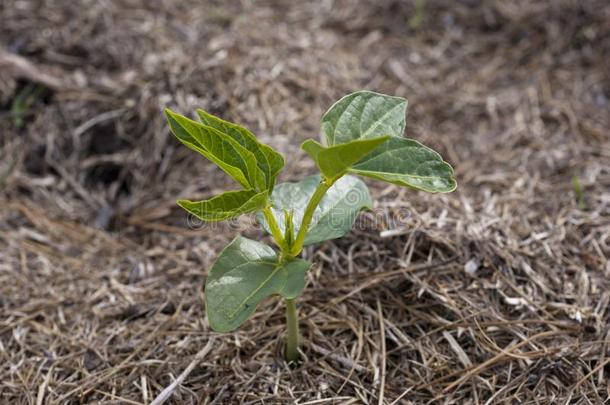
(245, 273)
(227, 153)
(268, 160)
(407, 163)
(335, 160)
(364, 115)
(227, 205)
(334, 216)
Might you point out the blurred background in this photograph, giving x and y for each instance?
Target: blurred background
(101, 274)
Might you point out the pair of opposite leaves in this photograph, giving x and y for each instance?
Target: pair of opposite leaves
(363, 134)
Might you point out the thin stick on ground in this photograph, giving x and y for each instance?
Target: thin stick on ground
(349, 363)
(169, 390)
(383, 353)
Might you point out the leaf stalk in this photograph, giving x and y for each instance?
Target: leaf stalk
(322, 188)
(275, 229)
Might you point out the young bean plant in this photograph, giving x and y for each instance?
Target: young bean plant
(362, 137)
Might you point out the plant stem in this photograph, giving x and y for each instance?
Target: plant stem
(308, 215)
(274, 227)
(290, 249)
(292, 324)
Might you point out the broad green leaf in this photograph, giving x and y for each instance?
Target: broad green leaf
(227, 153)
(245, 273)
(227, 205)
(268, 160)
(334, 216)
(407, 163)
(364, 115)
(335, 160)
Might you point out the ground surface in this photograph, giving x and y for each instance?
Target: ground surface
(496, 293)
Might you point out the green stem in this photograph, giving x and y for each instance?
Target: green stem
(274, 227)
(290, 249)
(308, 215)
(292, 323)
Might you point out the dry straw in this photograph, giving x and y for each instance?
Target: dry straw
(497, 293)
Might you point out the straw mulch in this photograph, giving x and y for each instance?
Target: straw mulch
(496, 293)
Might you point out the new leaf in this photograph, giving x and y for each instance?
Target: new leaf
(364, 131)
(268, 160)
(232, 147)
(363, 115)
(407, 163)
(336, 160)
(227, 205)
(228, 154)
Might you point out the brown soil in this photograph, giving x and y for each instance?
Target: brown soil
(496, 293)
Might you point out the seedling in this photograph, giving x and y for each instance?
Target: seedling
(580, 195)
(362, 136)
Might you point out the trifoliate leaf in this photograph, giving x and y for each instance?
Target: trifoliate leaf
(268, 160)
(364, 115)
(237, 161)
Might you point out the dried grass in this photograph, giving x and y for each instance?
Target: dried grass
(497, 293)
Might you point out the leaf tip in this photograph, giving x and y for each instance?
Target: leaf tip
(186, 205)
(201, 111)
(168, 112)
